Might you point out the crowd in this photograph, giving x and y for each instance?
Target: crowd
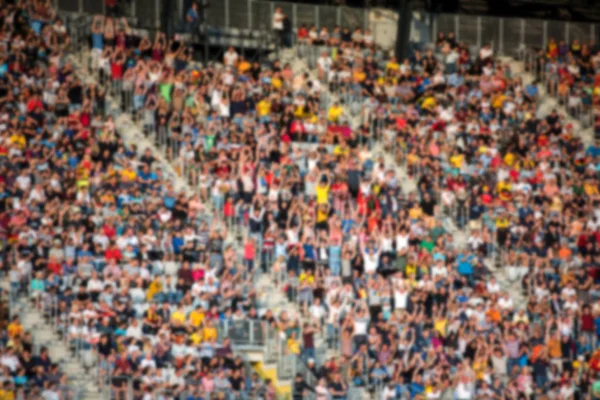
(286, 184)
(135, 276)
(569, 73)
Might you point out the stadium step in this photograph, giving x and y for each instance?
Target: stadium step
(85, 386)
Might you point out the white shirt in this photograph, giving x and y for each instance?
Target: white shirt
(324, 63)
(278, 21)
(11, 362)
(317, 311)
(506, 303)
(400, 299)
(493, 287)
(485, 53)
(145, 363)
(360, 326)
(401, 242)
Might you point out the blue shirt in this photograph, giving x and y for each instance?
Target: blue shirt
(177, 243)
(308, 251)
(416, 389)
(593, 151)
(193, 14)
(97, 41)
(169, 202)
(465, 267)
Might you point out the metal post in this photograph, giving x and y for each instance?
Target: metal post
(433, 28)
(338, 16)
(295, 16)
(80, 6)
(366, 18)
(592, 32)
(226, 13)
(403, 29)
(501, 36)
(566, 32)
(478, 32)
(158, 14)
(271, 11)
(317, 17)
(456, 28)
(250, 14)
(522, 32)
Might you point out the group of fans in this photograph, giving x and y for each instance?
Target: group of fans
(285, 183)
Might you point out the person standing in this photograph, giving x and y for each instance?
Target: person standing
(301, 388)
(278, 22)
(112, 8)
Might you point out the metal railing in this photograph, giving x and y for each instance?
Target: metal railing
(574, 98)
(508, 36)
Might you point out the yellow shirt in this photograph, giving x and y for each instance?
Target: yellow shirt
(440, 326)
(306, 278)
(209, 333)
(334, 113)
(457, 160)
(299, 112)
(322, 194)
(243, 67)
(263, 108)
(322, 216)
(196, 337)
(498, 101)
(14, 329)
(6, 394)
(339, 151)
(502, 223)
(428, 103)
(590, 189)
(392, 66)
(293, 346)
(276, 83)
(18, 140)
(554, 348)
(415, 213)
(154, 288)
(128, 174)
(412, 159)
(196, 317)
(359, 76)
(479, 369)
(509, 159)
(178, 316)
(503, 186)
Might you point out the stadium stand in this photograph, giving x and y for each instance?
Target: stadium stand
(327, 223)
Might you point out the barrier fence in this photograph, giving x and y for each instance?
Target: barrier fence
(508, 36)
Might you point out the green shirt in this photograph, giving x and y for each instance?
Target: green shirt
(436, 232)
(427, 245)
(596, 390)
(165, 91)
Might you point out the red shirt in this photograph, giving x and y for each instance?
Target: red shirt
(116, 70)
(228, 209)
(55, 268)
(302, 32)
(113, 254)
(33, 104)
(109, 231)
(587, 322)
